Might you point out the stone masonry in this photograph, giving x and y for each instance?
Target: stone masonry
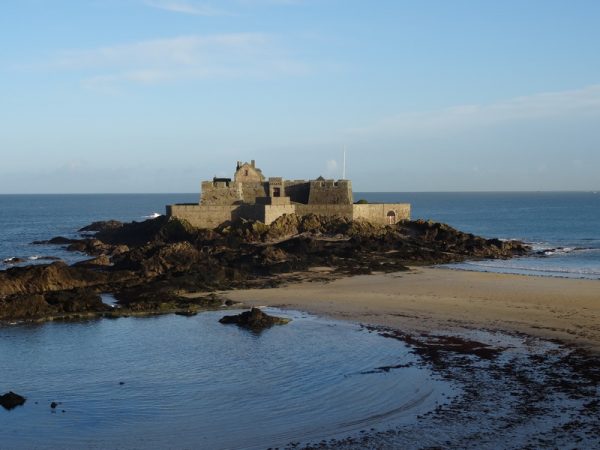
(251, 196)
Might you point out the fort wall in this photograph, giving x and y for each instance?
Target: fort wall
(253, 190)
(250, 196)
(297, 190)
(382, 213)
(272, 212)
(221, 193)
(202, 216)
(324, 192)
(325, 210)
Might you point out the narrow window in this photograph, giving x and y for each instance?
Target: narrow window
(276, 192)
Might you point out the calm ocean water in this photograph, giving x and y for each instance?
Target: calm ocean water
(563, 226)
(191, 382)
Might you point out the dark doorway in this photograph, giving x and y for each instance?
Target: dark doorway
(391, 217)
(276, 192)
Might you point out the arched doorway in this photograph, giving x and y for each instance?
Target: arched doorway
(391, 217)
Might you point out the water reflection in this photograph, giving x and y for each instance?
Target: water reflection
(176, 381)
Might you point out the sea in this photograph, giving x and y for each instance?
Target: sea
(191, 382)
(562, 227)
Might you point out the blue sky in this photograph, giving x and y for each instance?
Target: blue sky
(156, 95)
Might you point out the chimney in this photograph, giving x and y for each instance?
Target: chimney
(253, 164)
(239, 164)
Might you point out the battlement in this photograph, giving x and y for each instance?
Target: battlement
(252, 196)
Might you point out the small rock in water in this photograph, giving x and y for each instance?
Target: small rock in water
(254, 319)
(53, 405)
(187, 313)
(11, 400)
(121, 383)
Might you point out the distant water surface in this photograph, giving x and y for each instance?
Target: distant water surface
(563, 226)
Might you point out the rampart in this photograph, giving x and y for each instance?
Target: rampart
(297, 190)
(221, 193)
(381, 213)
(251, 196)
(330, 192)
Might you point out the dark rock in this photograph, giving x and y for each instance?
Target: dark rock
(254, 319)
(48, 258)
(162, 229)
(102, 260)
(90, 246)
(103, 225)
(41, 278)
(153, 260)
(53, 405)
(24, 307)
(59, 240)
(188, 313)
(283, 226)
(14, 260)
(11, 400)
(76, 301)
(50, 304)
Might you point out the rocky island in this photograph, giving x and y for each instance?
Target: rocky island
(155, 266)
(246, 232)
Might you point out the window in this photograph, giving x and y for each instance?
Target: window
(276, 192)
(246, 172)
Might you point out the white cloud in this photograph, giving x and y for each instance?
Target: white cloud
(331, 168)
(180, 58)
(467, 117)
(185, 7)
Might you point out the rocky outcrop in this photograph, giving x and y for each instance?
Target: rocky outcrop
(10, 400)
(37, 279)
(283, 226)
(102, 225)
(151, 265)
(98, 261)
(254, 319)
(153, 260)
(59, 240)
(51, 304)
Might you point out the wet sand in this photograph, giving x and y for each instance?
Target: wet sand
(433, 299)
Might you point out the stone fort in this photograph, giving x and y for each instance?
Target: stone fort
(251, 196)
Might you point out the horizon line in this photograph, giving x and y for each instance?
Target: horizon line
(355, 192)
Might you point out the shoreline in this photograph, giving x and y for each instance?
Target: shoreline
(427, 299)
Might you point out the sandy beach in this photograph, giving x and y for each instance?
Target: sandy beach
(432, 299)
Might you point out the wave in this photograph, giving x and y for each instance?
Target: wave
(12, 260)
(531, 269)
(154, 215)
(563, 251)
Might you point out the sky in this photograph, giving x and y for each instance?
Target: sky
(156, 95)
